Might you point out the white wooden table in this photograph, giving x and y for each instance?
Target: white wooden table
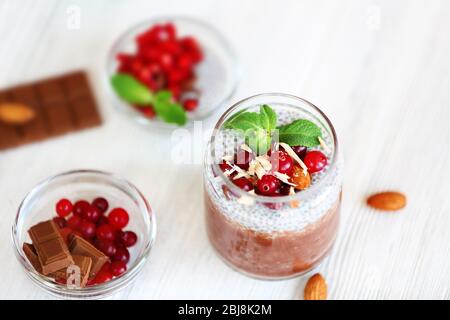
(379, 69)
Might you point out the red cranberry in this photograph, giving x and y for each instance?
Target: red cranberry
(101, 203)
(107, 247)
(127, 238)
(190, 104)
(281, 162)
(87, 229)
(105, 266)
(285, 189)
(185, 62)
(121, 254)
(102, 277)
(79, 207)
(92, 213)
(106, 232)
(74, 222)
(242, 159)
(90, 282)
(60, 222)
(243, 183)
(300, 151)
(268, 185)
(117, 268)
(148, 112)
(224, 166)
(315, 161)
(118, 218)
(102, 221)
(64, 208)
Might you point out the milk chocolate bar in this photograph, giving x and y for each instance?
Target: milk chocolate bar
(84, 263)
(50, 247)
(62, 104)
(79, 246)
(32, 256)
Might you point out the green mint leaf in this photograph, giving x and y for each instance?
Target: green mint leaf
(244, 121)
(300, 133)
(256, 127)
(131, 90)
(258, 140)
(268, 118)
(168, 110)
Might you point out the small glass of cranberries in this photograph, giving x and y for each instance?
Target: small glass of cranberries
(83, 207)
(175, 54)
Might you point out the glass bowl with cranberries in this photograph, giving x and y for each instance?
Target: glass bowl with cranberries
(168, 71)
(97, 216)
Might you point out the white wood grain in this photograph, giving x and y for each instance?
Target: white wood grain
(385, 86)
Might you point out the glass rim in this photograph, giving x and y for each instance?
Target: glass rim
(302, 195)
(99, 290)
(124, 107)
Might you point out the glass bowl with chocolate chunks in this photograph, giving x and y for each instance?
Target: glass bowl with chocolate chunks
(169, 71)
(83, 234)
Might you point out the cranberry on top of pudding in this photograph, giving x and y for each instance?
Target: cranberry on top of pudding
(274, 160)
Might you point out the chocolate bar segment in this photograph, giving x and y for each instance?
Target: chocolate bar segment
(9, 135)
(79, 246)
(83, 263)
(62, 104)
(32, 256)
(50, 247)
(36, 129)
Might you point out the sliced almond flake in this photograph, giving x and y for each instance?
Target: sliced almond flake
(241, 175)
(239, 170)
(245, 147)
(294, 156)
(265, 162)
(291, 191)
(324, 145)
(259, 170)
(283, 177)
(245, 200)
(252, 167)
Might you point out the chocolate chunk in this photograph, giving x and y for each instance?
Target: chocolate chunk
(83, 263)
(36, 129)
(79, 246)
(43, 232)
(9, 135)
(84, 116)
(76, 85)
(32, 256)
(62, 104)
(50, 247)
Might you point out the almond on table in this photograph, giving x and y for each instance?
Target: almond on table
(316, 288)
(387, 201)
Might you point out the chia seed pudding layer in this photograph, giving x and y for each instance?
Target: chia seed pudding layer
(260, 218)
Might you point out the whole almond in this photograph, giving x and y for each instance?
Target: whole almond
(16, 113)
(387, 201)
(316, 288)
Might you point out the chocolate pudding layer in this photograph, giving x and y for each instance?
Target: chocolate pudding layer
(277, 254)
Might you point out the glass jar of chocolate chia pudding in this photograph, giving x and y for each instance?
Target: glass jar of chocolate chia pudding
(273, 219)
